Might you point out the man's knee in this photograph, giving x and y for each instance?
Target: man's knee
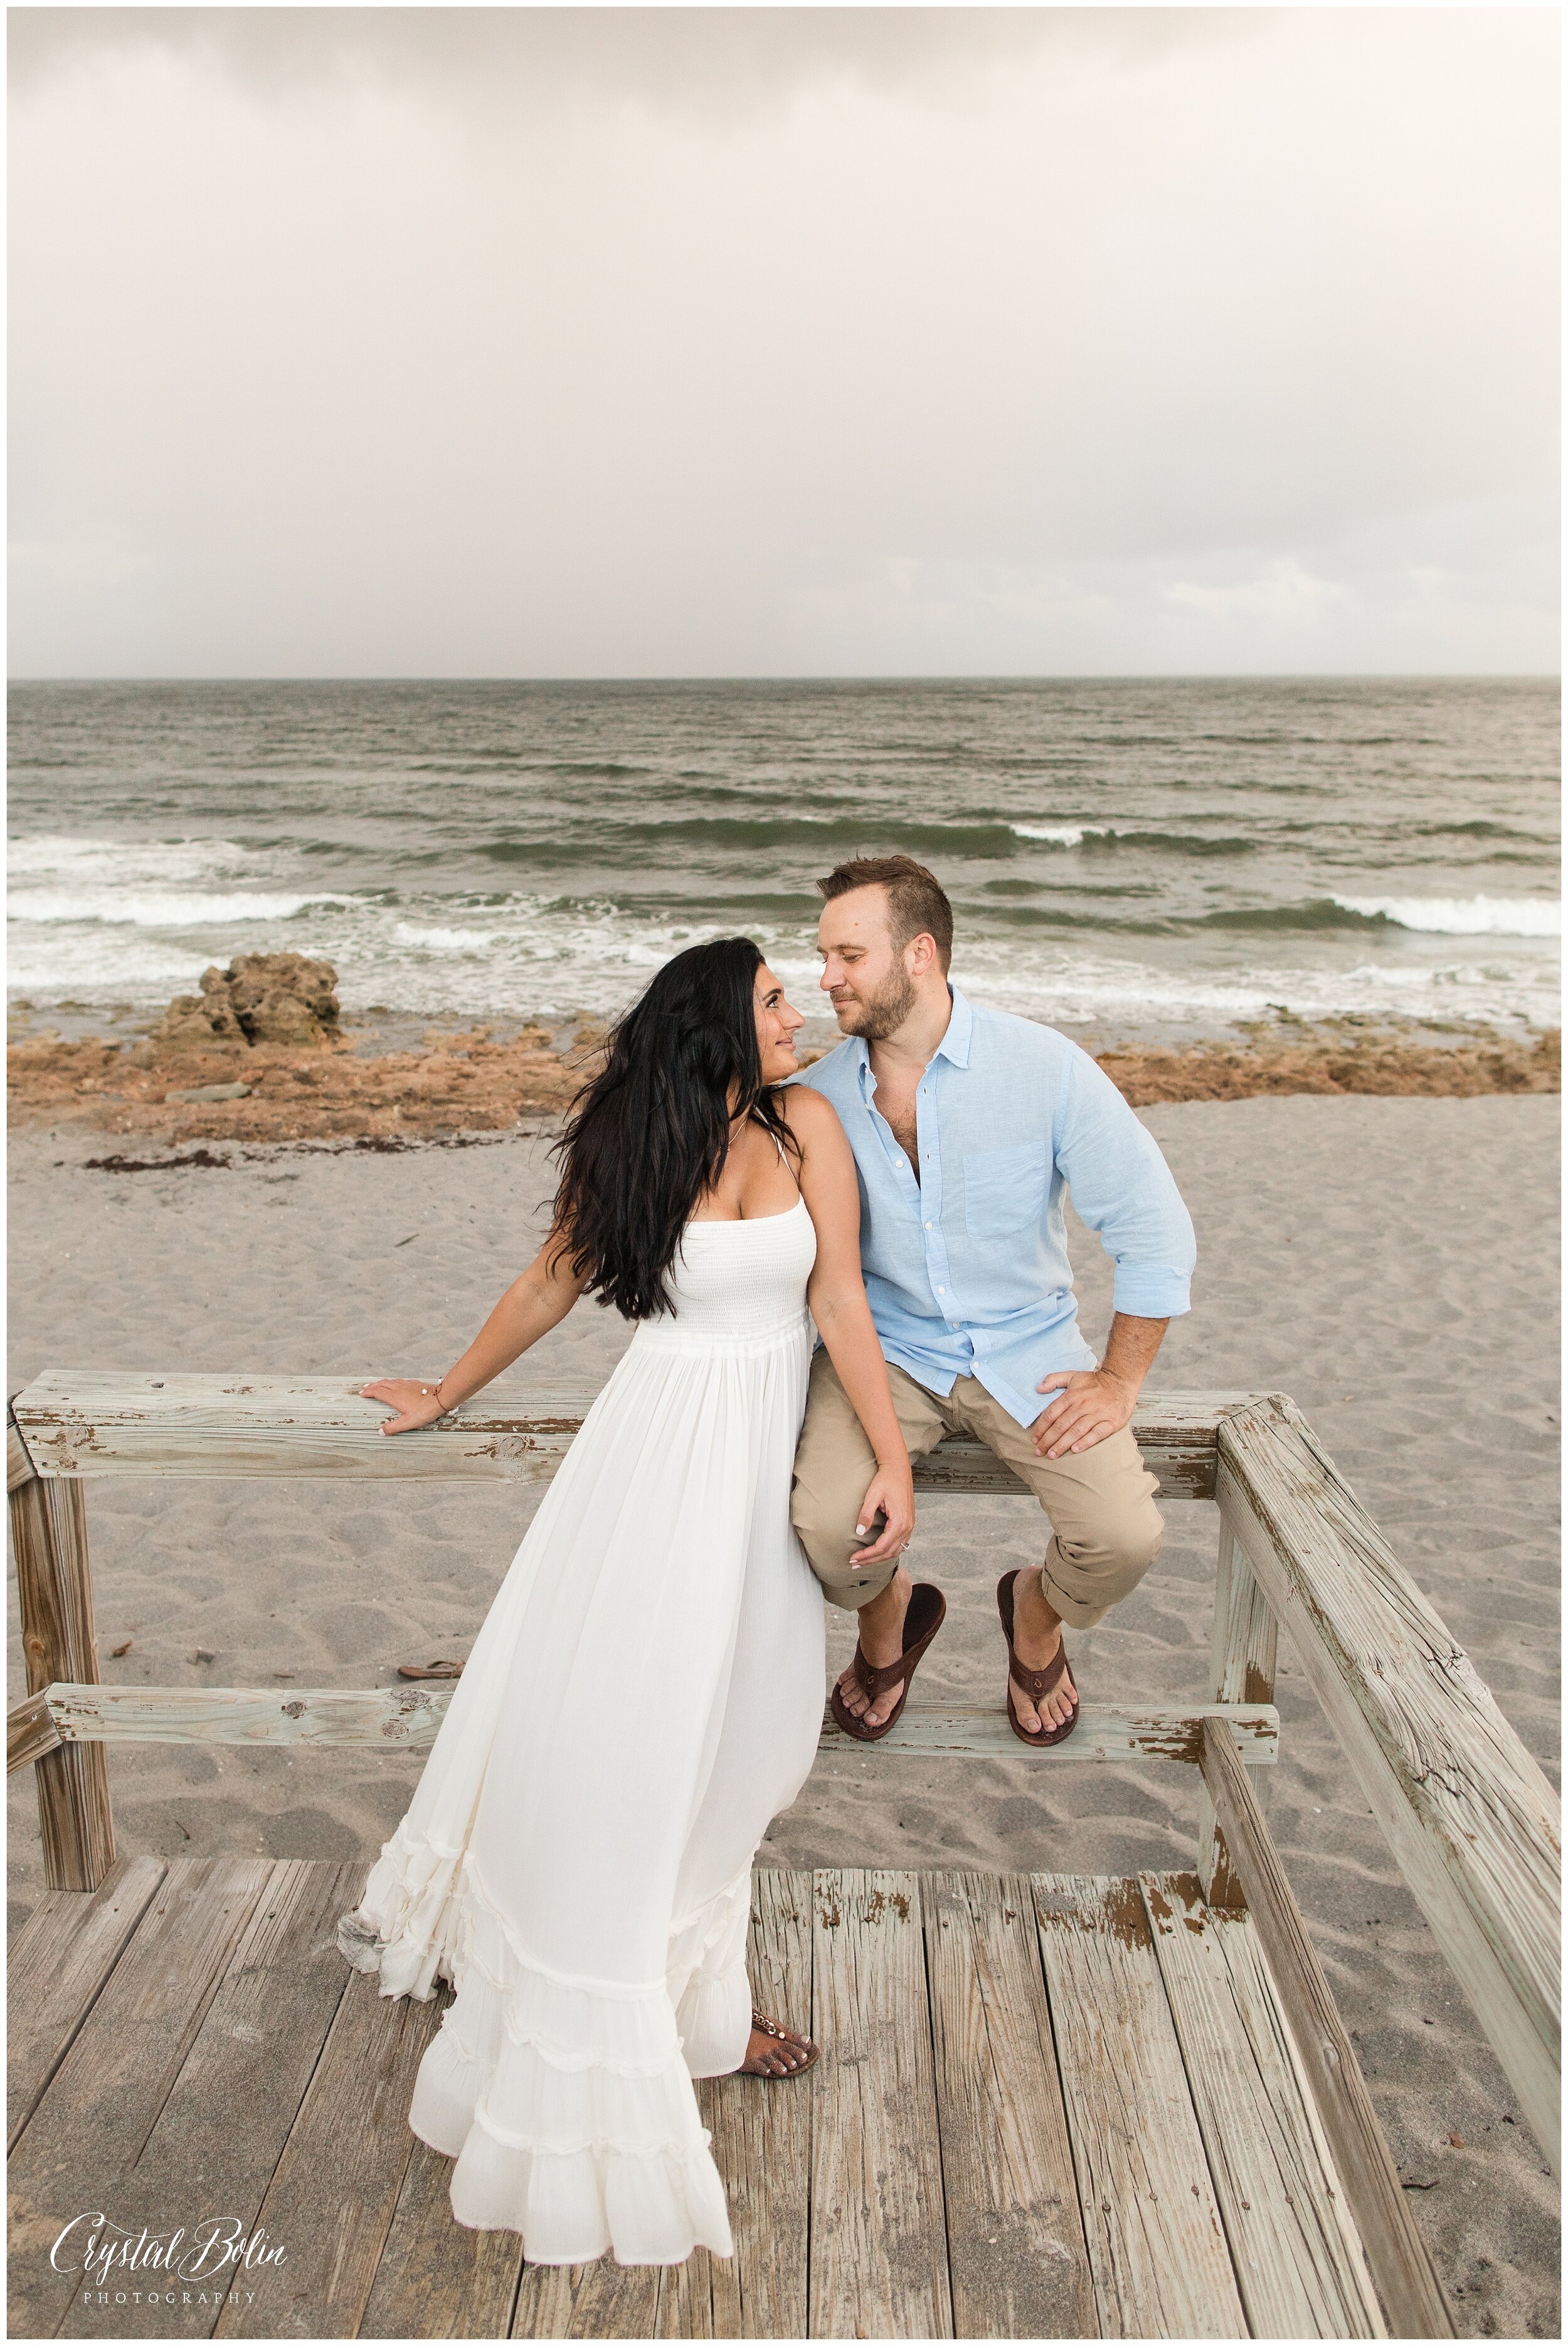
(818, 1526)
(1130, 1542)
(825, 1525)
(1102, 1563)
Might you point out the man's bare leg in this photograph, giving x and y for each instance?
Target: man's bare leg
(1036, 1641)
(881, 1624)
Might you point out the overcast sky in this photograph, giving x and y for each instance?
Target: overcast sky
(823, 341)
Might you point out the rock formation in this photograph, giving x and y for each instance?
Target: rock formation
(260, 998)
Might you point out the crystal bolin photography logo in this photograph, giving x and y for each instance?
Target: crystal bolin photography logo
(211, 2254)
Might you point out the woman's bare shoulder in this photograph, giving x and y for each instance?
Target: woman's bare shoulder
(809, 1116)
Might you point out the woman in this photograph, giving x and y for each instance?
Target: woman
(646, 1692)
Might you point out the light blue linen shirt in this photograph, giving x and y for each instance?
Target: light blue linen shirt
(966, 1270)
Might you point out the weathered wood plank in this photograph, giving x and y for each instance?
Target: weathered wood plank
(1177, 1442)
(30, 1733)
(78, 2152)
(55, 1970)
(19, 1465)
(1242, 1661)
(1106, 1730)
(1469, 1817)
(598, 2300)
(1157, 2251)
(1400, 2265)
(337, 2184)
(79, 1422)
(437, 2278)
(1298, 2260)
(54, 1598)
(1016, 2252)
(879, 2245)
(384, 1718)
(387, 1718)
(687, 2298)
(218, 2136)
(762, 2141)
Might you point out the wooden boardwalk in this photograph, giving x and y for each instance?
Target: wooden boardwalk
(1047, 2107)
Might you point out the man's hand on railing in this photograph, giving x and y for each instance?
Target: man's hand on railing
(1093, 1405)
(415, 1402)
(1096, 1403)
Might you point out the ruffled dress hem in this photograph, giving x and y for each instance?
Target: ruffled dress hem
(565, 2101)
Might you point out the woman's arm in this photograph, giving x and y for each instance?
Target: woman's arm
(535, 1303)
(837, 1295)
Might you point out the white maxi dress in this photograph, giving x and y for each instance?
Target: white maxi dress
(644, 1695)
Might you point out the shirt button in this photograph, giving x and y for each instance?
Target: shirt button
(941, 1291)
(928, 1226)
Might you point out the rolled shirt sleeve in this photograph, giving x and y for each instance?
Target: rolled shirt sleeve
(1123, 1189)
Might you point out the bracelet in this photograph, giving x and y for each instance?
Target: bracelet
(434, 1390)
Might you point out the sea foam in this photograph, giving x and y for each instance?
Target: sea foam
(1463, 916)
(445, 940)
(154, 910)
(66, 858)
(1063, 834)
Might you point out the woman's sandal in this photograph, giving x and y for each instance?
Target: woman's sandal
(439, 1668)
(766, 2027)
(1035, 1684)
(927, 1611)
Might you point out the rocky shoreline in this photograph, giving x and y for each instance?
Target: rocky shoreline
(262, 1055)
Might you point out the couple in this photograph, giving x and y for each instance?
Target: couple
(646, 1691)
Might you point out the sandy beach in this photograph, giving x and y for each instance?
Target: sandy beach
(1389, 1262)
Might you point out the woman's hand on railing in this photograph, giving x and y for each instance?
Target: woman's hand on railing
(413, 1399)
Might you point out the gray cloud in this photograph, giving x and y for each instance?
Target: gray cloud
(681, 61)
(632, 342)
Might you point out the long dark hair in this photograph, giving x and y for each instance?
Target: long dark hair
(651, 1132)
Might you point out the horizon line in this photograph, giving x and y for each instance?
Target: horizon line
(890, 676)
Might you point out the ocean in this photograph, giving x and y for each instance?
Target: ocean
(1128, 859)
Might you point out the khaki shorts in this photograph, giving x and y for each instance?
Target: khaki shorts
(1105, 1527)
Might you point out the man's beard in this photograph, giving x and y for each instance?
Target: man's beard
(875, 1017)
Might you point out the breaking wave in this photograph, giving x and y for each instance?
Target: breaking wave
(1093, 834)
(1463, 917)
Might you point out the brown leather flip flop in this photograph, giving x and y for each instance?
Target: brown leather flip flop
(760, 2021)
(927, 1611)
(1034, 1683)
(439, 1668)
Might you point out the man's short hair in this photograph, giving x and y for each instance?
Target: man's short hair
(917, 905)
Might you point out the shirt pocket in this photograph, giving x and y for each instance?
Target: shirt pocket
(1004, 1190)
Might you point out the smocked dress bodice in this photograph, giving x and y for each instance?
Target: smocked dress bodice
(737, 1284)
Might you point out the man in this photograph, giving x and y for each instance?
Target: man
(966, 1126)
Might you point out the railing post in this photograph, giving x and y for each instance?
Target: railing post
(1246, 1651)
(55, 1595)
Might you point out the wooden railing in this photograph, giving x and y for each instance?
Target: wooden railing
(86, 1422)
(1469, 1816)
(1471, 1820)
